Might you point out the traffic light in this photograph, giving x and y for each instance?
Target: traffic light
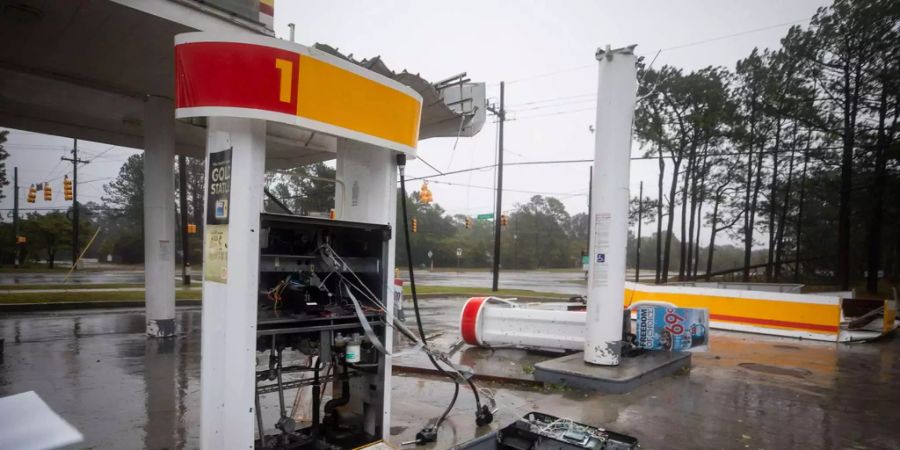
(32, 194)
(415, 225)
(191, 228)
(468, 222)
(504, 220)
(48, 192)
(68, 193)
(425, 194)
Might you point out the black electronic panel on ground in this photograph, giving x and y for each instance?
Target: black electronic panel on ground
(322, 295)
(539, 431)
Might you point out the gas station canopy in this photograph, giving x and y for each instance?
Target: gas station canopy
(84, 69)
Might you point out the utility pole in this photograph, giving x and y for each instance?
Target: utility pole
(637, 266)
(16, 216)
(76, 248)
(501, 116)
(182, 205)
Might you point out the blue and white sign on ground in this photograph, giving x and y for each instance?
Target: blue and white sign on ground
(676, 329)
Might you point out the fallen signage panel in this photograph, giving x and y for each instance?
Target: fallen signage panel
(806, 316)
(495, 322)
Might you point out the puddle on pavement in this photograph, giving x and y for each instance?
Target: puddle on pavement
(776, 370)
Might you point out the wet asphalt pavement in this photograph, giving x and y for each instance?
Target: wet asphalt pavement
(123, 391)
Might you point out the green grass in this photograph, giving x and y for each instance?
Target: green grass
(477, 291)
(82, 286)
(44, 269)
(75, 297)
(488, 269)
(70, 286)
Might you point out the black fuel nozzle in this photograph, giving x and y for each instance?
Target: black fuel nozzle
(426, 435)
(483, 416)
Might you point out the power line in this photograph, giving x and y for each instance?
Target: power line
(555, 113)
(582, 161)
(729, 36)
(664, 49)
(103, 152)
(491, 188)
(557, 105)
(546, 100)
(428, 164)
(96, 179)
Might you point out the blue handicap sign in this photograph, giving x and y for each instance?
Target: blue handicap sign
(601, 257)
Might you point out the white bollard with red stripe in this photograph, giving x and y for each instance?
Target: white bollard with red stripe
(496, 322)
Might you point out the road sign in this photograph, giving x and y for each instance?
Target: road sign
(488, 216)
(458, 252)
(430, 254)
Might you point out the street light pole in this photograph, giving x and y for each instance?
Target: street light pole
(16, 216)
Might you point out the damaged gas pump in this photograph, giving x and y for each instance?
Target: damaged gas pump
(309, 269)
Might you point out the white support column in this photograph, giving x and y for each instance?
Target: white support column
(369, 175)
(228, 344)
(609, 225)
(159, 216)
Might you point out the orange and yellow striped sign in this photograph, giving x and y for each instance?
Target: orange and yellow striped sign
(772, 312)
(265, 78)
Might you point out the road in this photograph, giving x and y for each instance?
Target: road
(571, 283)
(83, 277)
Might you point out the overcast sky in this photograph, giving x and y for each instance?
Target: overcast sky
(542, 49)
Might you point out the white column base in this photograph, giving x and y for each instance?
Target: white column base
(228, 342)
(159, 216)
(369, 175)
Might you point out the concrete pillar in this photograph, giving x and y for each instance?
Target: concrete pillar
(616, 91)
(159, 216)
(230, 283)
(369, 194)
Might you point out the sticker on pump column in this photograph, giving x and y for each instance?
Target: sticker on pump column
(602, 222)
(222, 209)
(219, 191)
(215, 253)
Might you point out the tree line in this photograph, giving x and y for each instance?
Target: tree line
(795, 149)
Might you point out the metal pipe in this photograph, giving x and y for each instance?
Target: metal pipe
(291, 26)
(259, 421)
(316, 400)
(280, 384)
